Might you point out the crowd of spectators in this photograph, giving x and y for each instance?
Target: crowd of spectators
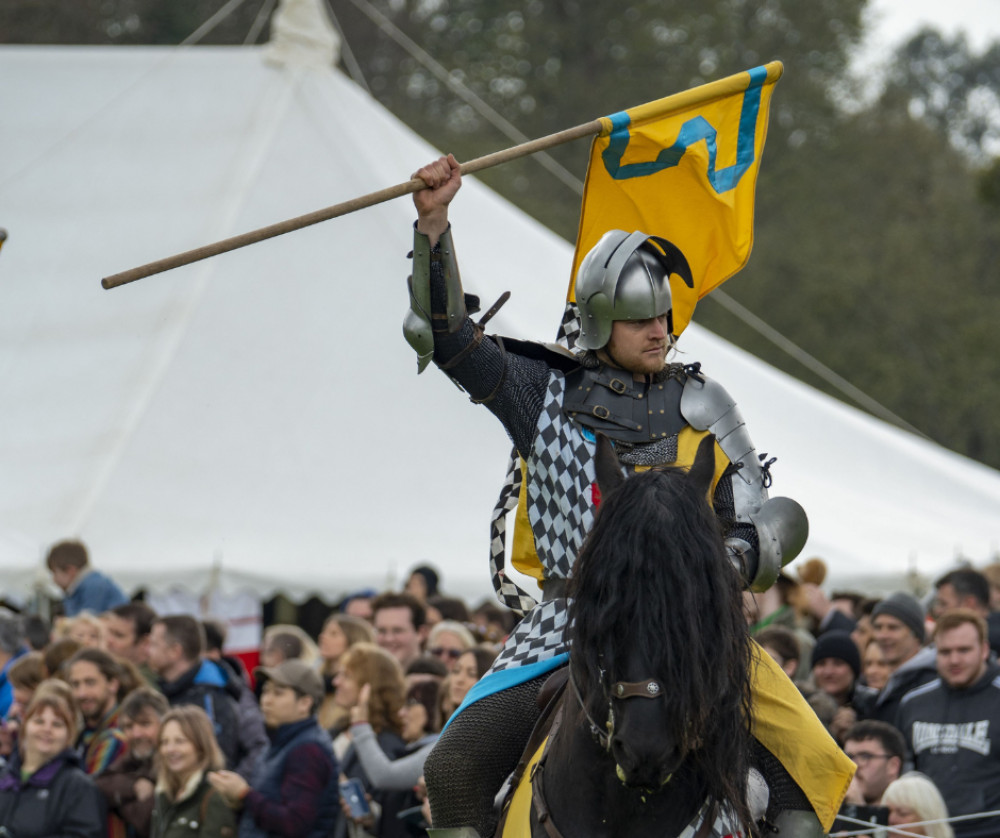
(908, 686)
(122, 722)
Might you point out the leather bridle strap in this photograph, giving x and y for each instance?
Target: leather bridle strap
(650, 688)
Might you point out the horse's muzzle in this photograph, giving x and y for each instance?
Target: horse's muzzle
(644, 769)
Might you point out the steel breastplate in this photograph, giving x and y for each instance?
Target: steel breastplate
(626, 410)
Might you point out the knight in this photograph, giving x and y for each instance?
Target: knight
(552, 403)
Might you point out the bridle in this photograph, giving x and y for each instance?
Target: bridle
(650, 688)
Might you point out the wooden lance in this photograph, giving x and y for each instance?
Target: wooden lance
(297, 223)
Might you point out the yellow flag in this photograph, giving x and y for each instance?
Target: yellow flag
(684, 168)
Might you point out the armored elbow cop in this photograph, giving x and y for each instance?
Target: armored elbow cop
(420, 323)
(780, 523)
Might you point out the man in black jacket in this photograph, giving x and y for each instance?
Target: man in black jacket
(176, 644)
(951, 724)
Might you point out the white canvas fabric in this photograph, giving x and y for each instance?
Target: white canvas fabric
(255, 422)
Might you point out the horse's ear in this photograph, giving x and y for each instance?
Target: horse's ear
(703, 469)
(606, 467)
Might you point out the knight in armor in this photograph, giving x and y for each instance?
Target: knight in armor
(552, 403)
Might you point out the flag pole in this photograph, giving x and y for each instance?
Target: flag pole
(415, 185)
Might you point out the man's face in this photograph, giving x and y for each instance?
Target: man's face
(833, 676)
(281, 705)
(120, 639)
(64, 576)
(142, 732)
(876, 769)
(395, 633)
(946, 598)
(897, 642)
(163, 653)
(961, 656)
(640, 346)
(95, 695)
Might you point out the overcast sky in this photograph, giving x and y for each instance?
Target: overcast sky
(894, 20)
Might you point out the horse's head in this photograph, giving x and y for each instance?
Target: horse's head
(659, 645)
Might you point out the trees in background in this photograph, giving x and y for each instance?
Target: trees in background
(878, 225)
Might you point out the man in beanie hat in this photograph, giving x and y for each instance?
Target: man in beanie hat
(836, 665)
(294, 790)
(898, 621)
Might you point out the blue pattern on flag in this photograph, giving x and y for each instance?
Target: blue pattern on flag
(693, 131)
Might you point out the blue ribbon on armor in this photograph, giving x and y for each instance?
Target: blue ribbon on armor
(504, 679)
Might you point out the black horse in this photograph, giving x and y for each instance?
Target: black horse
(652, 733)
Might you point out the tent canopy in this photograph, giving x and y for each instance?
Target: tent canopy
(255, 421)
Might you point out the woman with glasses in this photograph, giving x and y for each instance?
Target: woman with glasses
(448, 640)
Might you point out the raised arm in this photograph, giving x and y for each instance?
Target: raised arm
(439, 328)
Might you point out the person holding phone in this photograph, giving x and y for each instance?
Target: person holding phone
(367, 665)
(293, 791)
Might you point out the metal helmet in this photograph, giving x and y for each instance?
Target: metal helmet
(625, 277)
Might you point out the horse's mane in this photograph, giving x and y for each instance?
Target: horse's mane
(654, 577)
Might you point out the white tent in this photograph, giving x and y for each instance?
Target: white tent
(254, 421)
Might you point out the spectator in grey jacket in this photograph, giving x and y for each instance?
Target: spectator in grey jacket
(898, 621)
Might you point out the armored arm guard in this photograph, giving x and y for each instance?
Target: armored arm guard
(421, 322)
(780, 523)
(437, 325)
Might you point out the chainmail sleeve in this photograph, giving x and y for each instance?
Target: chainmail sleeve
(510, 385)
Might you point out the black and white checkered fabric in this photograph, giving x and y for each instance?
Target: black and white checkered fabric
(539, 636)
(724, 824)
(560, 478)
(509, 593)
(569, 329)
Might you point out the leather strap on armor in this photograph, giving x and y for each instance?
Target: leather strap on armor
(613, 402)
